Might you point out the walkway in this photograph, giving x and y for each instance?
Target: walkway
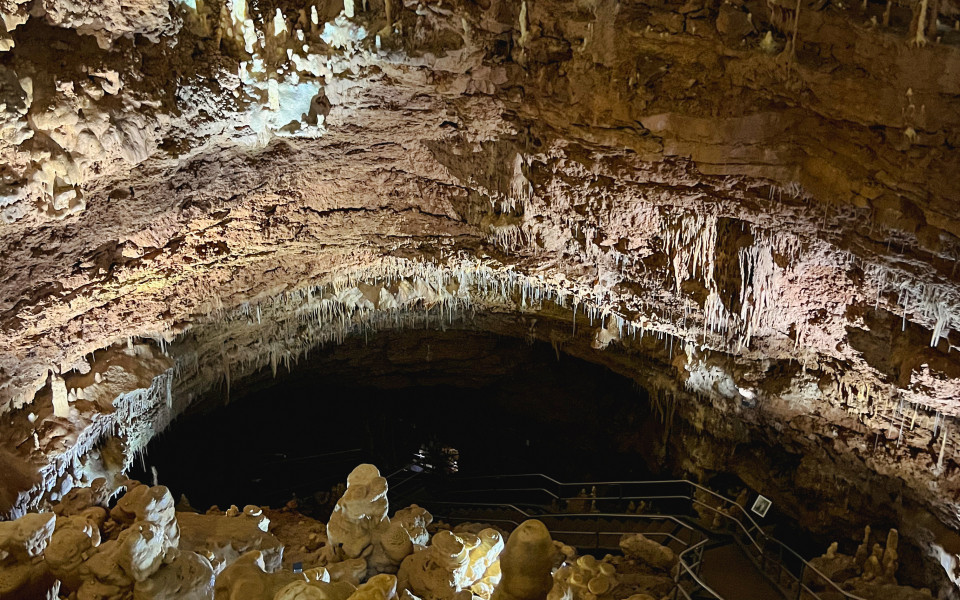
(729, 572)
(600, 519)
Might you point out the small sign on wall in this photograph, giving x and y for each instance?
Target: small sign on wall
(761, 505)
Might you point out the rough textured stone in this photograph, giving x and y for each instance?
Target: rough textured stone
(639, 547)
(226, 538)
(771, 219)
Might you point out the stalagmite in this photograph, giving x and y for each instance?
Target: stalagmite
(397, 538)
(526, 563)
(434, 573)
(891, 559)
(189, 576)
(23, 570)
(378, 587)
(28, 536)
(359, 514)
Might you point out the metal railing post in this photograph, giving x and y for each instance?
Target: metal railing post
(597, 529)
(779, 562)
(803, 569)
(745, 531)
(676, 582)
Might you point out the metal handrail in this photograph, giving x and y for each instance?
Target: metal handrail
(698, 548)
(582, 484)
(590, 515)
(748, 531)
(685, 568)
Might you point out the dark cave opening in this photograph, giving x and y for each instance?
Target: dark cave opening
(506, 404)
(521, 408)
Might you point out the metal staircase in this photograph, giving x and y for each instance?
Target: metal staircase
(674, 514)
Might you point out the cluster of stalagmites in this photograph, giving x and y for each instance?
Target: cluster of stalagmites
(870, 573)
(145, 548)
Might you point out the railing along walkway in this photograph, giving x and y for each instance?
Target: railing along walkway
(792, 575)
(687, 541)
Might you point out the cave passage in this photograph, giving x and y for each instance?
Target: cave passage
(506, 404)
(523, 408)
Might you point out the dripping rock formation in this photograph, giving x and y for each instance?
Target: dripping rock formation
(750, 208)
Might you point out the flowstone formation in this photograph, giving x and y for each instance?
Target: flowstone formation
(749, 207)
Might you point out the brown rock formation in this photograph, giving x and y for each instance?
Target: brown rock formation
(740, 205)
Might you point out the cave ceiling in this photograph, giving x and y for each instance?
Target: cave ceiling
(750, 204)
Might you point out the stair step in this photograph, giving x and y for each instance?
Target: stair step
(581, 531)
(667, 526)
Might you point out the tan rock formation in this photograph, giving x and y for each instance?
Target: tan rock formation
(526, 562)
(23, 572)
(246, 579)
(359, 515)
(641, 548)
(224, 539)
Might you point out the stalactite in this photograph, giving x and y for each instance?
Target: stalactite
(401, 293)
(943, 447)
(507, 237)
(932, 305)
(919, 37)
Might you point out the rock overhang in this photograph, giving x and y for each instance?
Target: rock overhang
(658, 168)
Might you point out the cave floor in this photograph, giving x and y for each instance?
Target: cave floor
(731, 574)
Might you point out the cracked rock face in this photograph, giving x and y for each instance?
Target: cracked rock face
(751, 205)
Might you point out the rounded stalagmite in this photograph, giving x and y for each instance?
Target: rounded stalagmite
(526, 563)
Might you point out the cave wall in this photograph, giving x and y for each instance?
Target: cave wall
(486, 394)
(750, 203)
